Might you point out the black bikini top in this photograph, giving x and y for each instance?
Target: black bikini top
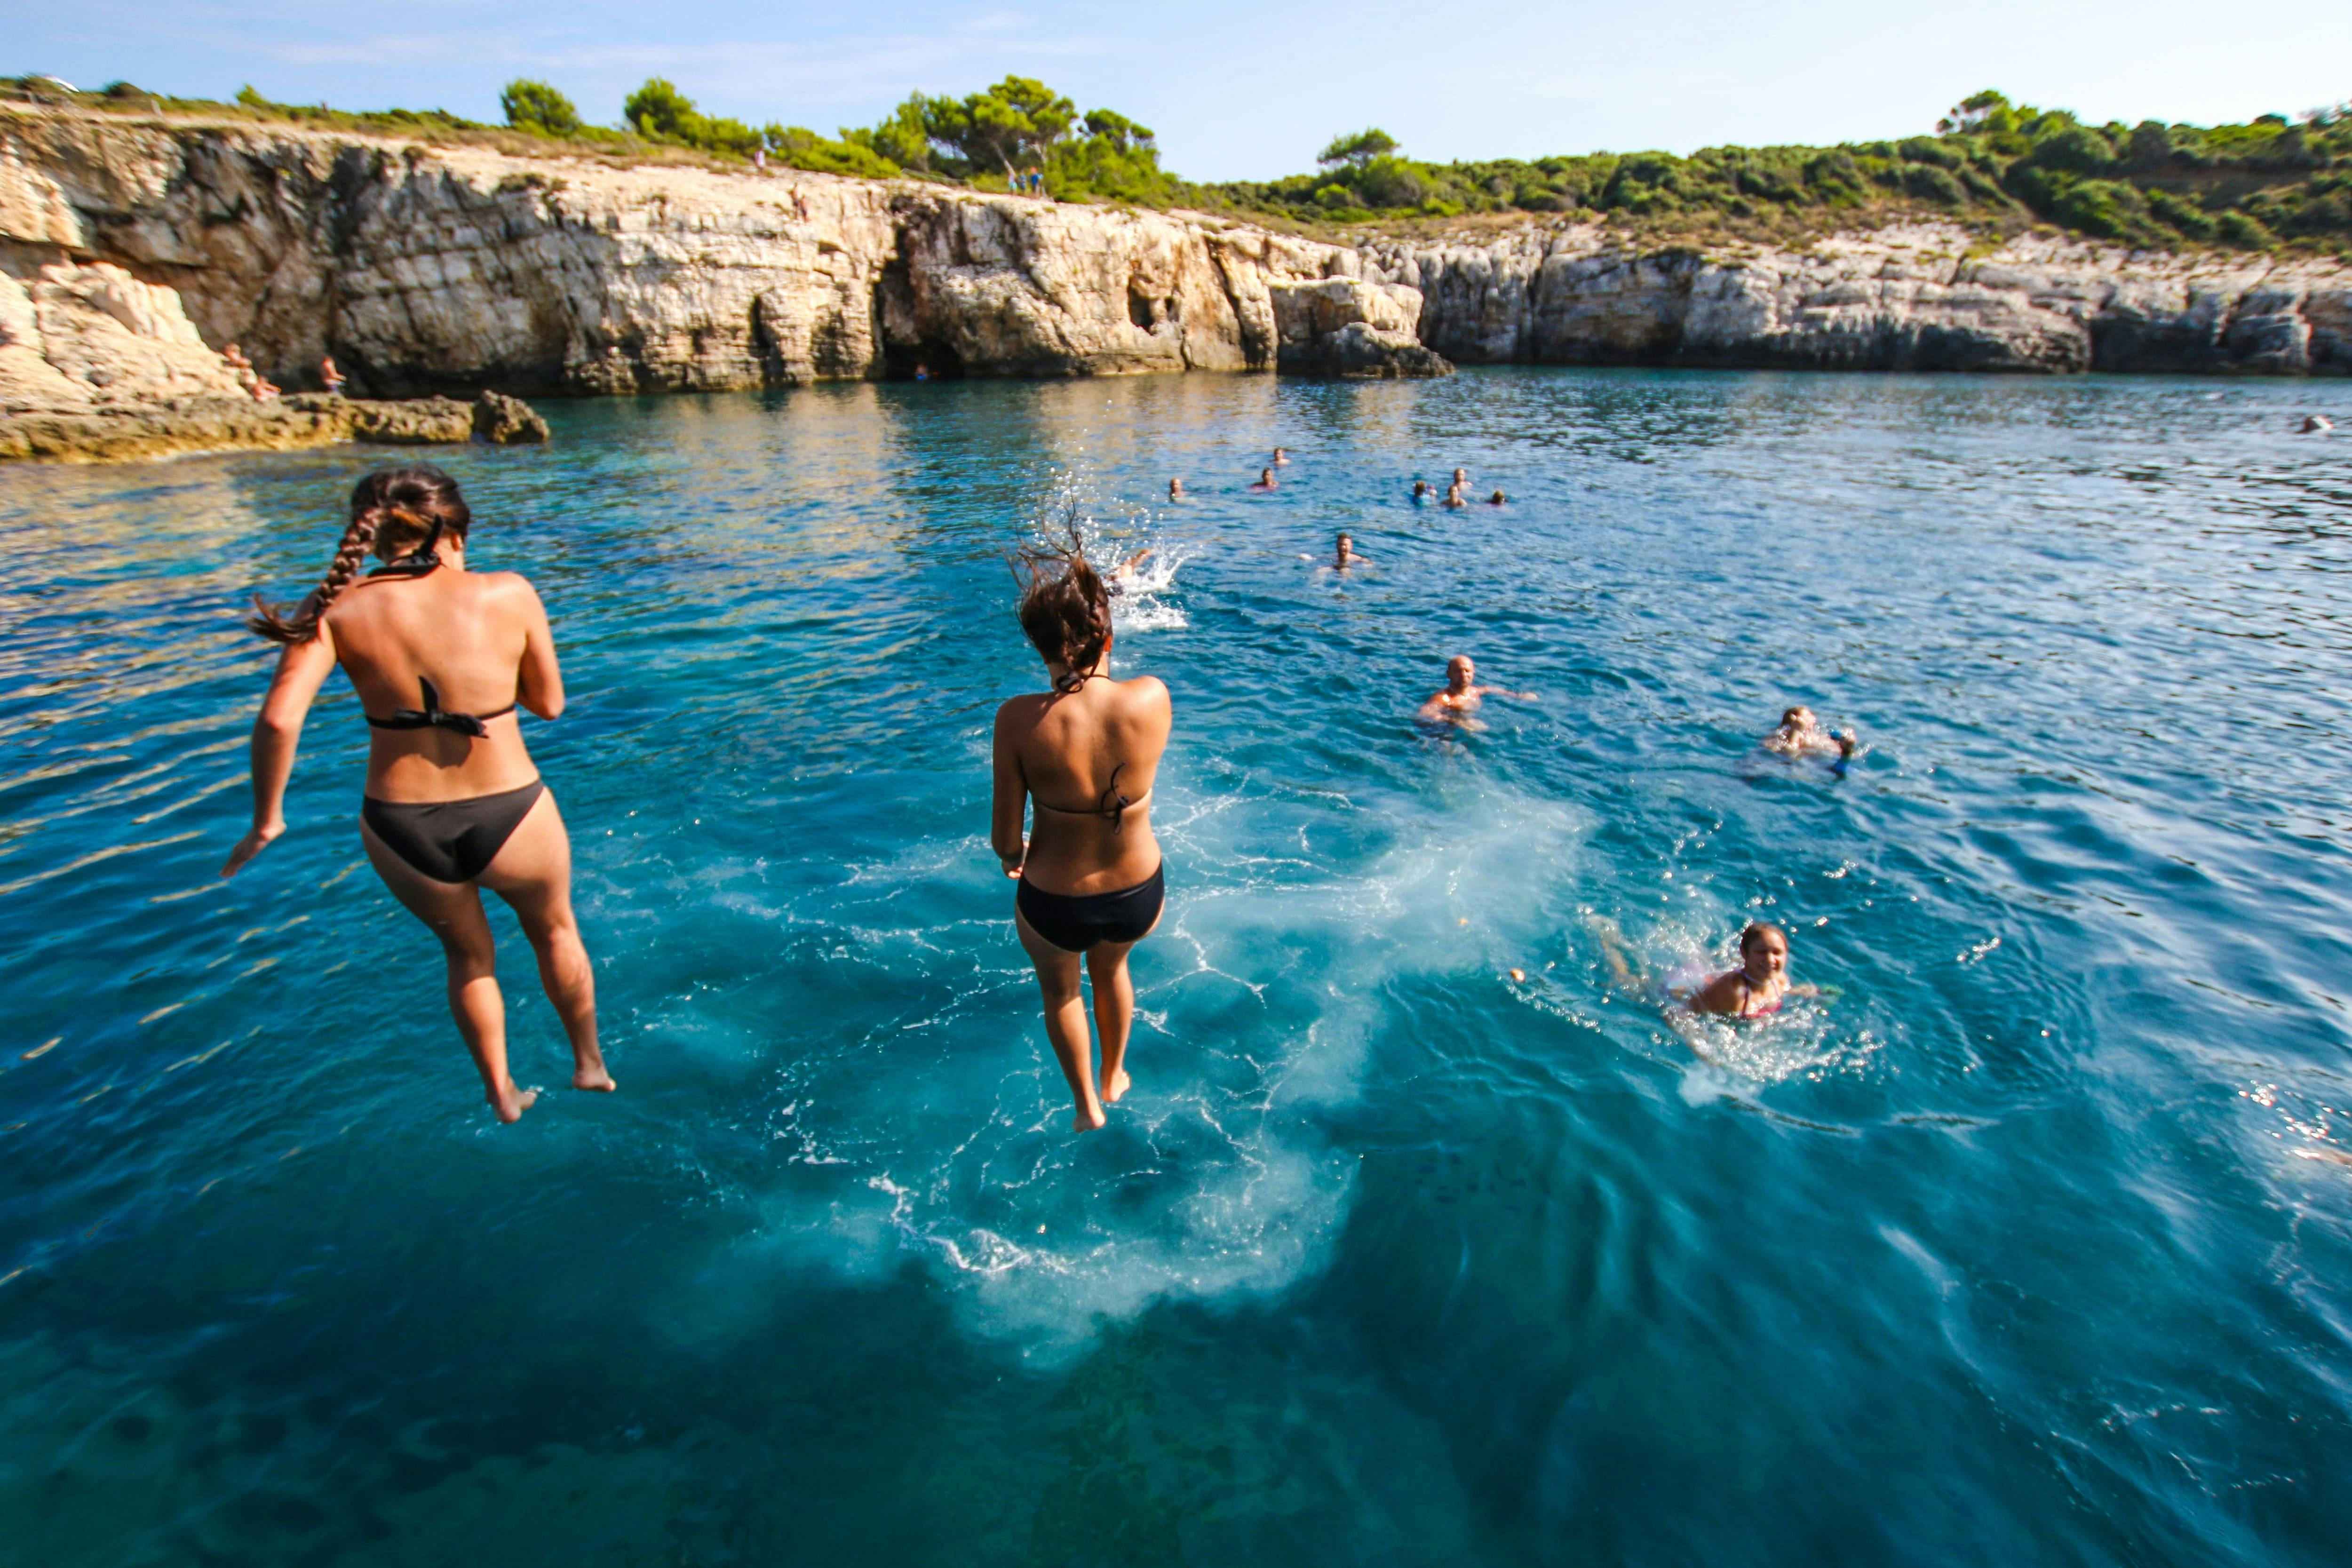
(432, 716)
(1116, 809)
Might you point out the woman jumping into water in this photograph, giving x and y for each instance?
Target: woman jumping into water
(453, 801)
(1091, 882)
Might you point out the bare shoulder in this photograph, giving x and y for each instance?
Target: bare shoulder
(505, 587)
(1147, 691)
(1015, 715)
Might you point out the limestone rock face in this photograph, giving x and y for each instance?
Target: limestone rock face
(1351, 327)
(85, 339)
(1907, 297)
(430, 270)
(420, 269)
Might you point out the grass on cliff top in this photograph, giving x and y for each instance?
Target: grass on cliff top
(2269, 186)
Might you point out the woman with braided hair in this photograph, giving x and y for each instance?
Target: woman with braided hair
(453, 802)
(1086, 754)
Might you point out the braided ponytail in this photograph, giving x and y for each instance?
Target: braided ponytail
(1066, 614)
(393, 510)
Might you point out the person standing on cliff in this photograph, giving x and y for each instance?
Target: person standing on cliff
(331, 378)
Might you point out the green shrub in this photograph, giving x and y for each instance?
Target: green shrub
(536, 106)
(2244, 231)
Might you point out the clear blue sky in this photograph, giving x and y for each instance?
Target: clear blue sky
(1245, 90)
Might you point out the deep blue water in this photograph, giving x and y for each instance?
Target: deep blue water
(2031, 1245)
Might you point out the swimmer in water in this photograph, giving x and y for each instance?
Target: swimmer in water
(1343, 556)
(1800, 735)
(1122, 576)
(1497, 498)
(1421, 492)
(1265, 480)
(1759, 985)
(1453, 496)
(1460, 700)
(2318, 424)
(1281, 457)
(1175, 490)
(1755, 989)
(1845, 745)
(1461, 479)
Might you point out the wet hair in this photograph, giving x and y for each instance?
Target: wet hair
(1790, 715)
(1065, 610)
(395, 512)
(1496, 500)
(1757, 932)
(1348, 537)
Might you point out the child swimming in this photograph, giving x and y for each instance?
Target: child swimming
(1756, 988)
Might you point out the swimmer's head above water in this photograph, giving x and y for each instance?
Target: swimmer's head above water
(1497, 498)
(1265, 480)
(1763, 953)
(1281, 456)
(1175, 490)
(1461, 475)
(1420, 488)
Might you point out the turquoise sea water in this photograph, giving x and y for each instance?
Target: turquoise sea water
(2032, 1245)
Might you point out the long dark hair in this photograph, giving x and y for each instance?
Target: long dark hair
(393, 511)
(1065, 609)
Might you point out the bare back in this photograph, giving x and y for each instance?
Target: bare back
(482, 639)
(1076, 754)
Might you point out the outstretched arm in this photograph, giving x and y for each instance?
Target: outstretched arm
(1009, 800)
(1505, 691)
(302, 669)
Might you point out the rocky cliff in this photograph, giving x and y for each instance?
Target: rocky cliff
(424, 268)
(1923, 296)
(429, 268)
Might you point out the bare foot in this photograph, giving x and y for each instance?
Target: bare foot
(515, 1102)
(593, 1077)
(1116, 1084)
(1087, 1120)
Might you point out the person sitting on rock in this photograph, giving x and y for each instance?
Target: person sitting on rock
(1265, 480)
(330, 376)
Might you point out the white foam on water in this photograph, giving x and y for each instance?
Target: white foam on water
(947, 1136)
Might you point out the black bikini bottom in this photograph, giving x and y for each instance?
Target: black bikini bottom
(1076, 922)
(451, 841)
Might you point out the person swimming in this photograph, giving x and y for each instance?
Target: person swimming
(1459, 702)
(1421, 492)
(1757, 988)
(1461, 478)
(1453, 497)
(1123, 575)
(1086, 754)
(2317, 425)
(453, 801)
(1497, 498)
(1800, 735)
(1759, 985)
(1281, 457)
(1265, 480)
(1175, 490)
(1343, 556)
